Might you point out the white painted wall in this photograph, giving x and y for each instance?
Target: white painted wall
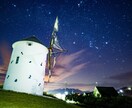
(27, 75)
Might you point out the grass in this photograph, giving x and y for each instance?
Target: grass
(10, 99)
(1, 86)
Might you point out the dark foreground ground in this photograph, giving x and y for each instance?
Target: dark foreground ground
(89, 101)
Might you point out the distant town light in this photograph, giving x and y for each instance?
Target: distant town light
(66, 92)
(129, 88)
(121, 91)
(70, 101)
(60, 96)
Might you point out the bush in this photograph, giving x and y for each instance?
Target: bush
(1, 86)
(109, 102)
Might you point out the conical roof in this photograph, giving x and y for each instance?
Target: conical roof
(32, 38)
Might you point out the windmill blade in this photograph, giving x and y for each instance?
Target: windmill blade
(56, 24)
(56, 44)
(54, 49)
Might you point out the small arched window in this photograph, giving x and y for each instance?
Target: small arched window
(29, 44)
(39, 84)
(15, 80)
(8, 76)
(17, 60)
(22, 53)
(29, 76)
(12, 61)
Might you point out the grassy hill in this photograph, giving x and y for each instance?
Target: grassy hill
(1, 86)
(10, 99)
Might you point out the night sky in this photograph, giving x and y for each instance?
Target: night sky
(96, 33)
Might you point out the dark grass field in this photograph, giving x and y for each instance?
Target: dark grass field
(10, 99)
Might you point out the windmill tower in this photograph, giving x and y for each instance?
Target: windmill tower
(26, 69)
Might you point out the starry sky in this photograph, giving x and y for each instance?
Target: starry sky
(96, 33)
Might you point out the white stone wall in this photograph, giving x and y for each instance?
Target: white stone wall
(26, 69)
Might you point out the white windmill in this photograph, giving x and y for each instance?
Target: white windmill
(26, 69)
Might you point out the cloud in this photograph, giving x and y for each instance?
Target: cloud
(5, 55)
(127, 76)
(3, 69)
(67, 65)
(122, 79)
(2, 78)
(80, 86)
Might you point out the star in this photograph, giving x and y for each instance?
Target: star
(100, 56)
(82, 33)
(106, 43)
(74, 42)
(49, 13)
(14, 5)
(75, 34)
(78, 5)
(96, 47)
(90, 44)
(116, 59)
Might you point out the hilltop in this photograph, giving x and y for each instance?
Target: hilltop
(9, 99)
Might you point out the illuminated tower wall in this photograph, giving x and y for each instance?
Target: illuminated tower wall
(26, 69)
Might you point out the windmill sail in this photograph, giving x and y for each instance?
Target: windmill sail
(56, 25)
(56, 45)
(54, 49)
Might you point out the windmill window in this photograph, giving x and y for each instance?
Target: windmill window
(15, 80)
(39, 84)
(17, 60)
(12, 61)
(29, 76)
(22, 53)
(8, 76)
(30, 61)
(29, 44)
